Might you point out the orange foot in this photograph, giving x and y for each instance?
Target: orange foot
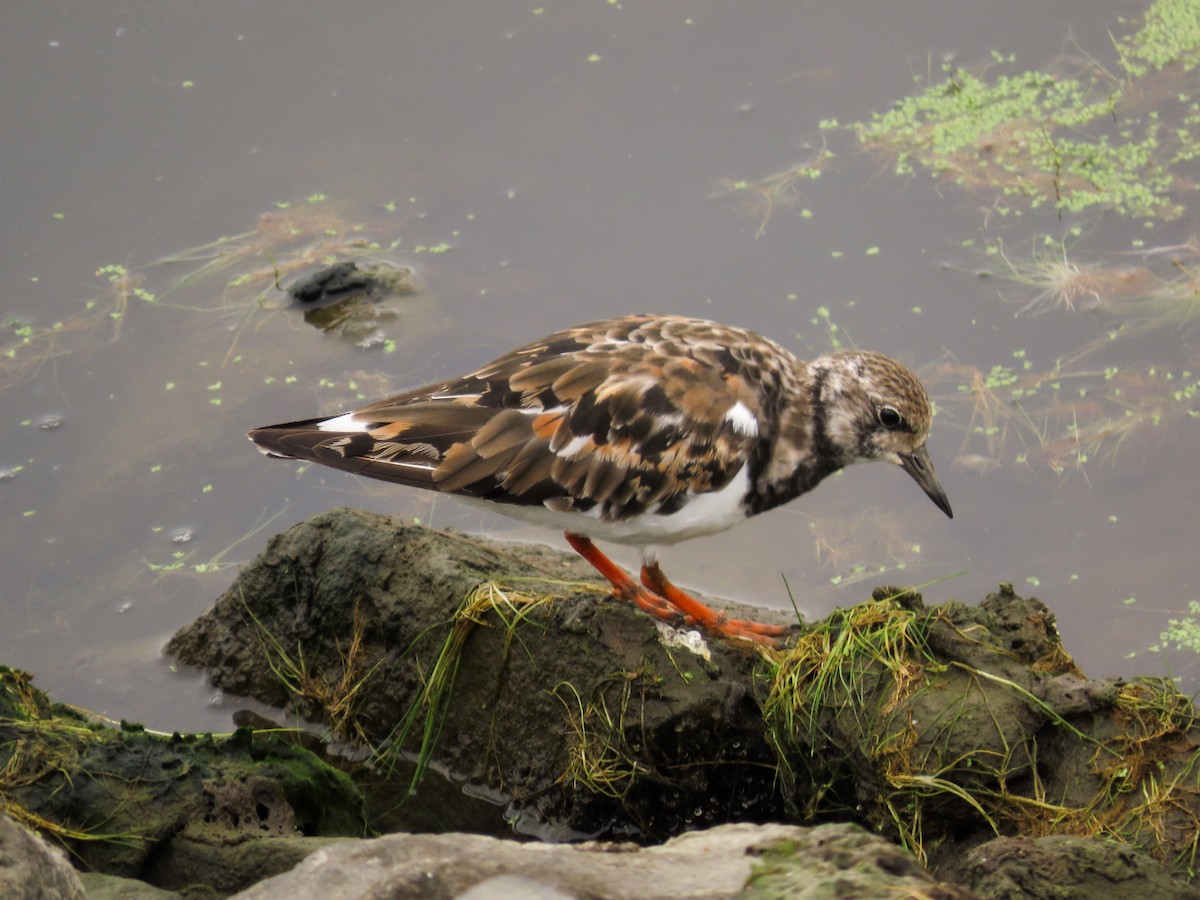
(663, 600)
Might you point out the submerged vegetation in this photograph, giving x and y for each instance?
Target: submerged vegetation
(25, 347)
(239, 277)
(257, 263)
(254, 267)
(232, 298)
(1079, 137)
(1083, 405)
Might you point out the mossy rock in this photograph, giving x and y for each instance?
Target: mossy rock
(117, 797)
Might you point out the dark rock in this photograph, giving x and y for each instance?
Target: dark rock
(948, 725)
(573, 710)
(354, 302)
(1059, 867)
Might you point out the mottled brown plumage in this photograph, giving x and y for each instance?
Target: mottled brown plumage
(641, 429)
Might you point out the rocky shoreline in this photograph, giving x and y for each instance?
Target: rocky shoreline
(950, 751)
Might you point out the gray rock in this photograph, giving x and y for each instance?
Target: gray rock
(513, 887)
(225, 866)
(30, 869)
(776, 860)
(114, 887)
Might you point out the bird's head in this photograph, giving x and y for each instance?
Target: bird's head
(875, 408)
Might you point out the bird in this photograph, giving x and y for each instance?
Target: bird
(643, 430)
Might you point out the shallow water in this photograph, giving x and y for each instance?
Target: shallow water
(538, 166)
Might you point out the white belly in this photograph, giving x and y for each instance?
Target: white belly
(703, 514)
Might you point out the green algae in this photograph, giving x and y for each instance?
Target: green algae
(116, 796)
(1079, 137)
(1170, 34)
(1076, 135)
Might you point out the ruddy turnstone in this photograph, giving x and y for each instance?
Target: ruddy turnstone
(643, 430)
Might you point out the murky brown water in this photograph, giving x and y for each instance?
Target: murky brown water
(568, 160)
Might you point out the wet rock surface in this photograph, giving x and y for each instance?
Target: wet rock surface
(941, 727)
(356, 303)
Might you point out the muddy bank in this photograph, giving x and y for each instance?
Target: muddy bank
(510, 669)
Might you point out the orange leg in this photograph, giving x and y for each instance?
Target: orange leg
(663, 600)
(707, 617)
(624, 587)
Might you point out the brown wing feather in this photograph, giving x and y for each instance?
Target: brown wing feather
(627, 414)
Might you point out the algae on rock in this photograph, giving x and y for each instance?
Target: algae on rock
(117, 798)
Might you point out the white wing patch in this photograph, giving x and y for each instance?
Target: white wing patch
(575, 446)
(344, 422)
(743, 421)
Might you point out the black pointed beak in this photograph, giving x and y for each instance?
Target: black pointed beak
(920, 467)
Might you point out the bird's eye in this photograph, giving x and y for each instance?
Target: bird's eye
(889, 418)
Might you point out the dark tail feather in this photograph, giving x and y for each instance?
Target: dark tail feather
(348, 451)
(289, 441)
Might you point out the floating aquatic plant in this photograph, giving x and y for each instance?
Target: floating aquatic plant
(1078, 136)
